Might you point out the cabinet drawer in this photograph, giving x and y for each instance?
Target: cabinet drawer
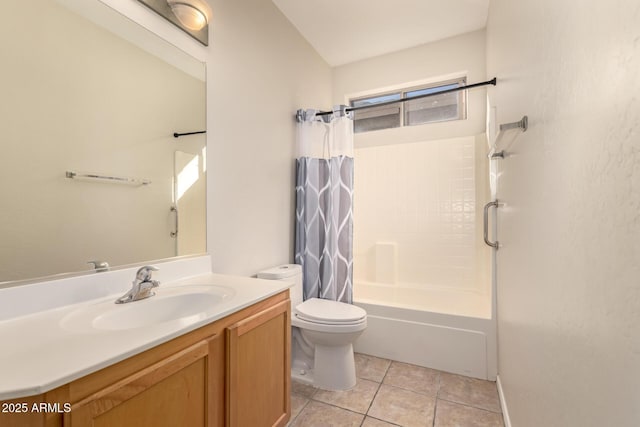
(169, 393)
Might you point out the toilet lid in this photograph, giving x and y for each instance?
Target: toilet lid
(323, 310)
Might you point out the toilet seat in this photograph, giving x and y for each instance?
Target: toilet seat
(325, 327)
(329, 312)
(322, 315)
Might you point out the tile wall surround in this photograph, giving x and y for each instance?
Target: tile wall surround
(390, 393)
(421, 197)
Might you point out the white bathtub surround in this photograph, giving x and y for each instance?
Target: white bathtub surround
(438, 328)
(386, 262)
(48, 347)
(435, 299)
(425, 200)
(438, 310)
(457, 344)
(423, 188)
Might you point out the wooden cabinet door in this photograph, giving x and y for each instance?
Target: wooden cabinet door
(258, 369)
(176, 391)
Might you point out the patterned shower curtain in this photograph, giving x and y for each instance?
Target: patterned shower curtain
(324, 204)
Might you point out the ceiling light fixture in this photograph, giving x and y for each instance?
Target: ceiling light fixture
(188, 14)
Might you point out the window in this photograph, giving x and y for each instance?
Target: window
(438, 108)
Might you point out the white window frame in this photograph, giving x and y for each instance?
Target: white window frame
(462, 100)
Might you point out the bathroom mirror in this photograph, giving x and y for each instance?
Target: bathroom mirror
(91, 169)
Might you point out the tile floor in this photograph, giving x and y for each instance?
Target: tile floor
(391, 393)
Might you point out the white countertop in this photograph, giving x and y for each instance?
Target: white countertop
(39, 353)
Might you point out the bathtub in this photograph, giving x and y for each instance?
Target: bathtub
(448, 330)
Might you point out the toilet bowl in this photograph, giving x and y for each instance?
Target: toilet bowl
(323, 332)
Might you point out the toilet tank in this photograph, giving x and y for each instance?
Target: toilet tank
(287, 273)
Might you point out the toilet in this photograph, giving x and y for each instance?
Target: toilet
(322, 334)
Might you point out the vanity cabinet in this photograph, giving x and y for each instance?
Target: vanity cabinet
(171, 392)
(258, 369)
(232, 372)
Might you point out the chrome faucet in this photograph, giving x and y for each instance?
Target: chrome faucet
(142, 286)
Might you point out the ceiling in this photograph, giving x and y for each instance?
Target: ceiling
(344, 31)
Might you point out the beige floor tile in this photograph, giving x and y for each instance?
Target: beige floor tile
(469, 391)
(403, 407)
(372, 422)
(414, 378)
(302, 389)
(450, 414)
(370, 367)
(358, 399)
(297, 403)
(318, 414)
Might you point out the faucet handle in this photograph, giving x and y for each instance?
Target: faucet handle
(99, 265)
(144, 273)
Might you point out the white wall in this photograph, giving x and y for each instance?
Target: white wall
(259, 72)
(452, 57)
(568, 271)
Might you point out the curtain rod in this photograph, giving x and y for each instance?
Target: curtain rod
(178, 135)
(380, 104)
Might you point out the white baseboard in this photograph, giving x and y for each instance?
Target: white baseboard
(503, 403)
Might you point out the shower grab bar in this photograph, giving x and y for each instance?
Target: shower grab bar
(174, 233)
(486, 223)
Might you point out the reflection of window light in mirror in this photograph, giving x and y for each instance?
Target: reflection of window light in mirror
(204, 159)
(187, 177)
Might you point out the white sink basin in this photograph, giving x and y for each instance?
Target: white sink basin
(184, 304)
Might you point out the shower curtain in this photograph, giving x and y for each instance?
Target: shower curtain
(324, 204)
